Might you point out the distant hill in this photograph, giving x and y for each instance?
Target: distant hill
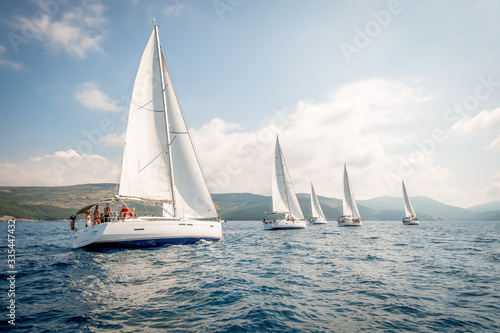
(487, 207)
(58, 203)
(423, 206)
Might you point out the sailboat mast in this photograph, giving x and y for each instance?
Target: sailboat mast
(163, 87)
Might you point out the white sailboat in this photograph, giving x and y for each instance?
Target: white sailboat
(317, 213)
(160, 165)
(351, 217)
(284, 199)
(411, 217)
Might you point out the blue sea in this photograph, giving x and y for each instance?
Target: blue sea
(381, 277)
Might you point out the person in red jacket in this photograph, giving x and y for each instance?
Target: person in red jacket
(125, 212)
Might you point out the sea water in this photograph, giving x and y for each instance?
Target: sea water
(381, 277)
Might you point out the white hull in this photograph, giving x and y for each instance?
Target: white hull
(410, 221)
(147, 232)
(346, 221)
(284, 224)
(315, 220)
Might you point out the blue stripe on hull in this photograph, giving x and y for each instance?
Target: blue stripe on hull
(284, 228)
(141, 243)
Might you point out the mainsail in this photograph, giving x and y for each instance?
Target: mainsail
(349, 204)
(283, 194)
(409, 211)
(316, 210)
(159, 161)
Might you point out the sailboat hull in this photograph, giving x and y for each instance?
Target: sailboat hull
(147, 233)
(315, 220)
(347, 221)
(410, 221)
(284, 224)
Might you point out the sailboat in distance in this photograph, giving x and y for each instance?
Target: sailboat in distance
(317, 213)
(159, 166)
(411, 217)
(286, 210)
(351, 217)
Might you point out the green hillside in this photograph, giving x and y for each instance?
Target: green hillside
(58, 203)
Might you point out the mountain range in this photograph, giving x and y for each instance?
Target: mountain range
(58, 203)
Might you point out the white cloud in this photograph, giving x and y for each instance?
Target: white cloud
(113, 140)
(90, 96)
(5, 62)
(60, 168)
(355, 126)
(177, 9)
(370, 134)
(77, 31)
(485, 120)
(495, 144)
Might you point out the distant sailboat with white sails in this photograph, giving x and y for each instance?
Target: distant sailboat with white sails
(159, 166)
(317, 213)
(286, 209)
(350, 217)
(411, 217)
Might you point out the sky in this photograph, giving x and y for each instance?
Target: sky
(394, 89)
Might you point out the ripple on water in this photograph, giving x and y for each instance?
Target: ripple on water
(381, 277)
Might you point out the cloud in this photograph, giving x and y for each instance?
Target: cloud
(91, 97)
(60, 168)
(177, 9)
(77, 31)
(495, 144)
(369, 133)
(485, 120)
(355, 126)
(8, 63)
(113, 140)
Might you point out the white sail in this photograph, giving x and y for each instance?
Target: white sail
(146, 164)
(192, 197)
(316, 210)
(409, 211)
(349, 203)
(148, 171)
(283, 194)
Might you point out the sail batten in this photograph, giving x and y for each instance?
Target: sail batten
(283, 195)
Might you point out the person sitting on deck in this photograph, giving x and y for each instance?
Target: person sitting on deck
(125, 212)
(107, 213)
(97, 215)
